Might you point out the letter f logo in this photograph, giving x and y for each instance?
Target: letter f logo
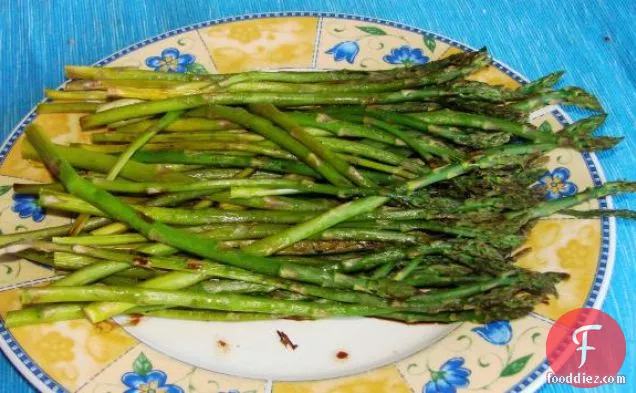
(583, 346)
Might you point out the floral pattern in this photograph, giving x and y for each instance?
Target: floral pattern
(144, 379)
(26, 206)
(496, 332)
(555, 184)
(170, 60)
(406, 55)
(449, 377)
(346, 50)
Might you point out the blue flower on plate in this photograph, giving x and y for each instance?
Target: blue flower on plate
(448, 378)
(495, 332)
(152, 382)
(406, 55)
(556, 184)
(171, 60)
(26, 206)
(346, 50)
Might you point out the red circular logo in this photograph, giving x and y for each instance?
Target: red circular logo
(585, 348)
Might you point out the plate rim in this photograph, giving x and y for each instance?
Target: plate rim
(532, 380)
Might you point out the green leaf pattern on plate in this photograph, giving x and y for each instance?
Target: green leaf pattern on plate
(515, 366)
(371, 30)
(142, 365)
(430, 43)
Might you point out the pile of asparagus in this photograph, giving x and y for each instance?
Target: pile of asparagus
(403, 194)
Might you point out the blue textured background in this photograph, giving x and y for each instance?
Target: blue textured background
(592, 40)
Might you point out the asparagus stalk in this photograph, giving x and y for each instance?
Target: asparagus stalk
(221, 136)
(423, 146)
(242, 98)
(496, 157)
(92, 96)
(342, 128)
(487, 123)
(408, 269)
(39, 234)
(270, 112)
(360, 149)
(67, 107)
(91, 274)
(220, 146)
(184, 125)
(550, 207)
(100, 311)
(453, 67)
(158, 188)
(473, 138)
(66, 261)
(103, 73)
(225, 302)
(201, 315)
(224, 161)
(104, 84)
(284, 239)
(44, 314)
(310, 247)
(102, 163)
(567, 96)
(294, 77)
(282, 139)
(363, 162)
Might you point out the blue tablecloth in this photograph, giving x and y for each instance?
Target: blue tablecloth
(592, 40)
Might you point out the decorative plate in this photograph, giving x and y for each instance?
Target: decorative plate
(353, 355)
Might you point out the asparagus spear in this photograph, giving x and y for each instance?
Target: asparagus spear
(224, 161)
(422, 145)
(66, 261)
(220, 146)
(102, 73)
(226, 302)
(296, 131)
(38, 234)
(92, 96)
(221, 136)
(241, 98)
(44, 314)
(102, 163)
(284, 239)
(67, 107)
(282, 139)
(342, 128)
(100, 311)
